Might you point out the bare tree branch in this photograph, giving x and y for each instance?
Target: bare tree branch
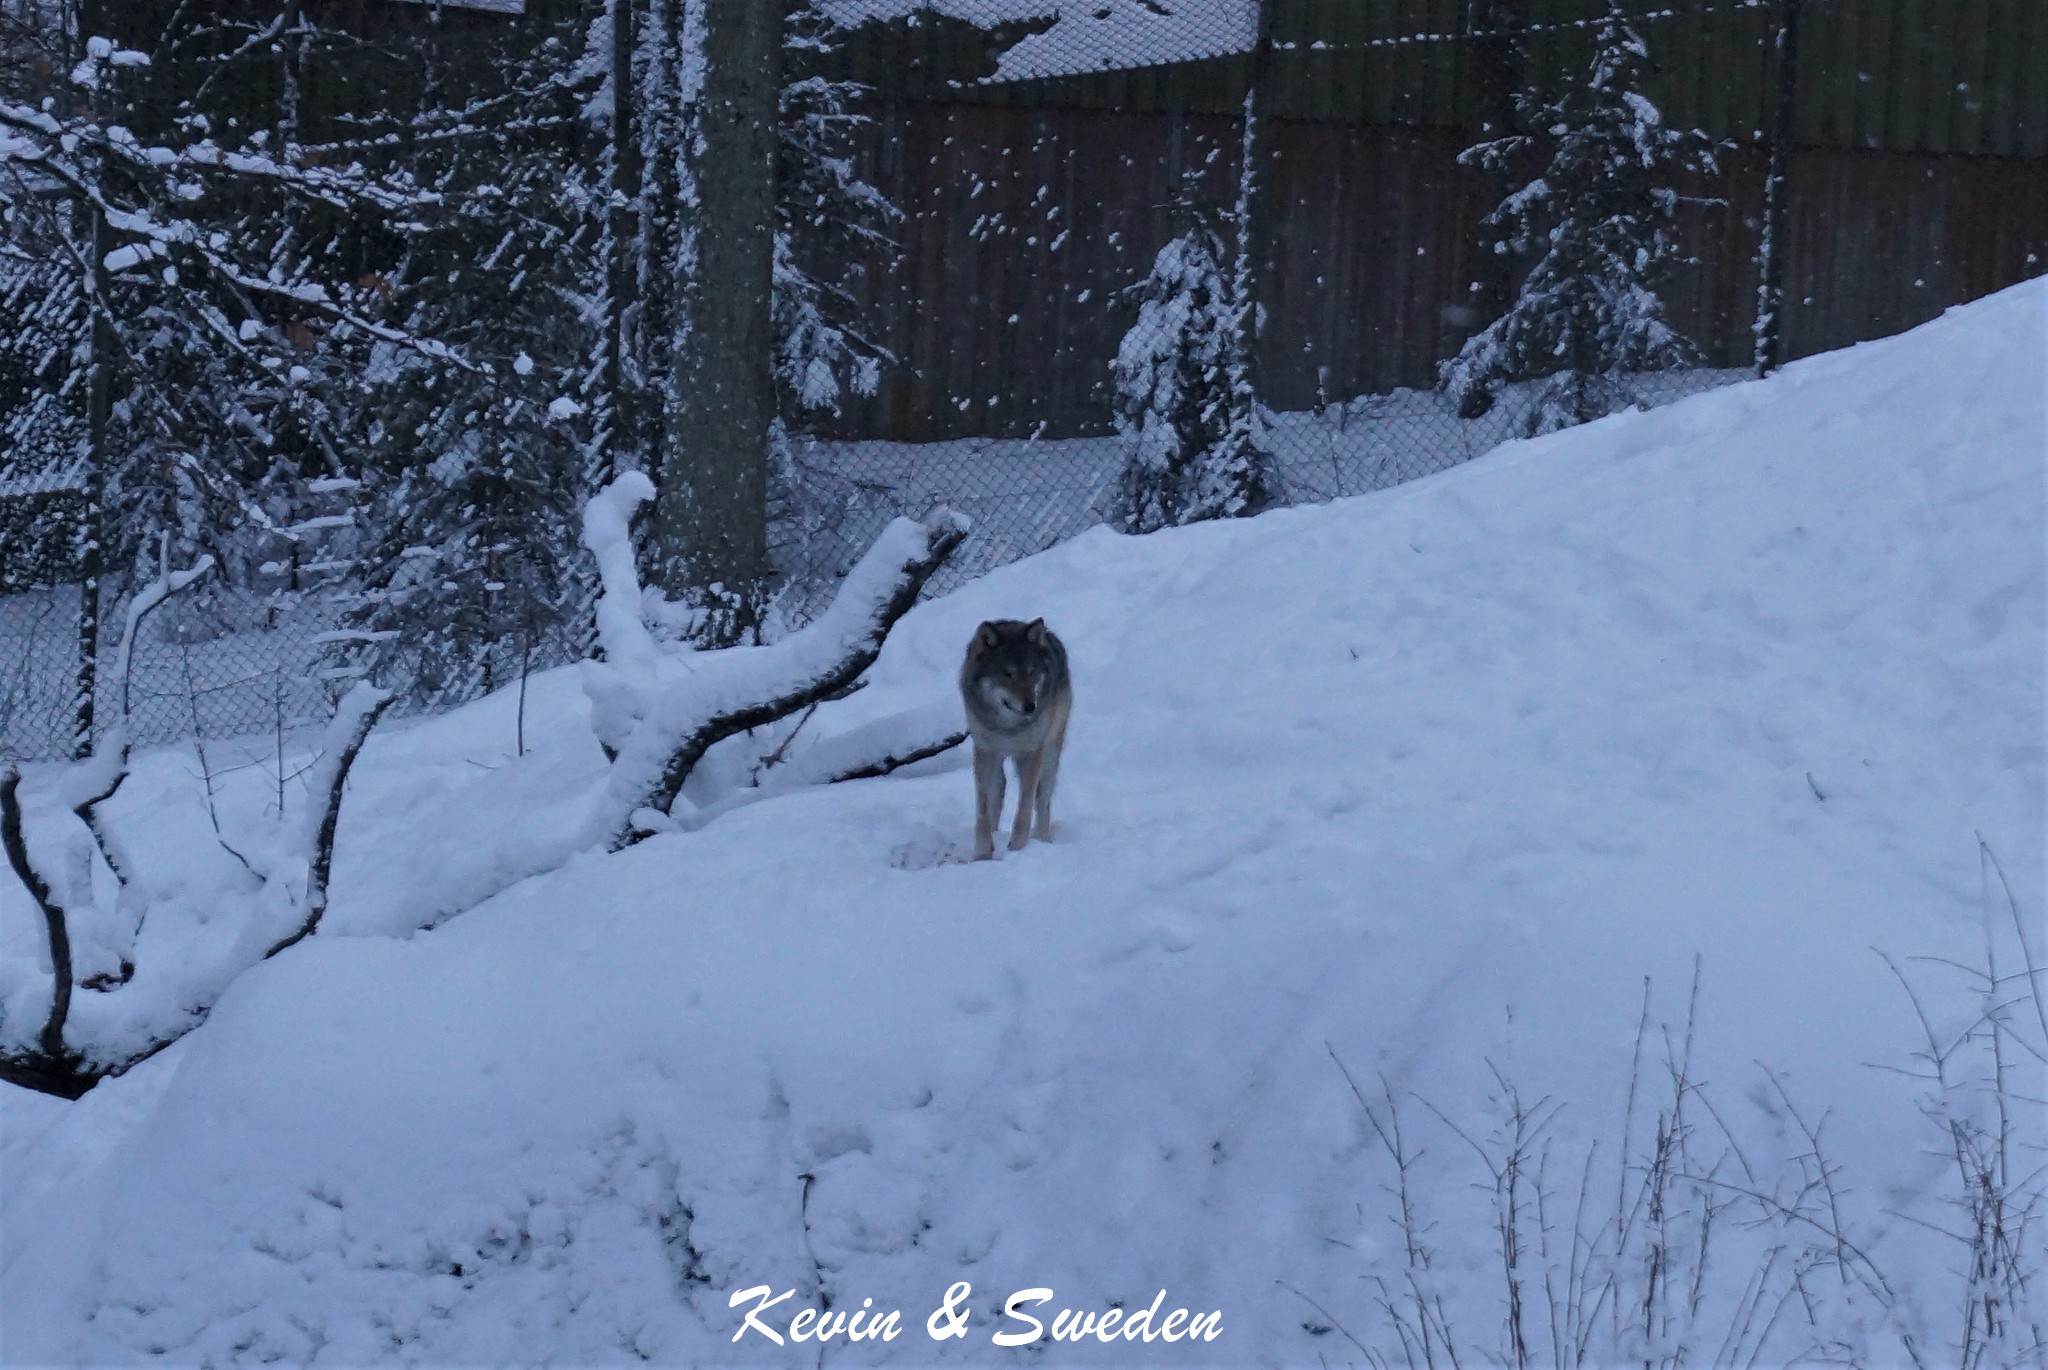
(353, 719)
(66, 1072)
(53, 916)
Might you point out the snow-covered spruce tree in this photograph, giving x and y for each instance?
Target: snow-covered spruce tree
(1602, 213)
(473, 471)
(1183, 399)
(196, 257)
(825, 214)
(557, 263)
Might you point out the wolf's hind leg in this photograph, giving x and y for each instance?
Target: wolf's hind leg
(1048, 779)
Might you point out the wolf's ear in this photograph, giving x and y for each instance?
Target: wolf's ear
(987, 635)
(1035, 632)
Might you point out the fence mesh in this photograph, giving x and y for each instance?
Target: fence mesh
(1875, 173)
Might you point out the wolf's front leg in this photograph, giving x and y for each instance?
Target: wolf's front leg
(988, 800)
(1027, 797)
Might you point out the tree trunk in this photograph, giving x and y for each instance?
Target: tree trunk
(92, 552)
(1770, 304)
(617, 428)
(712, 514)
(1254, 210)
(1498, 68)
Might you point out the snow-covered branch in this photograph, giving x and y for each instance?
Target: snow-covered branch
(346, 733)
(868, 752)
(53, 148)
(618, 686)
(25, 1069)
(83, 1042)
(733, 691)
(86, 784)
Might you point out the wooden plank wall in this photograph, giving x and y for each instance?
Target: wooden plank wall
(1884, 241)
(1023, 225)
(1905, 75)
(1920, 181)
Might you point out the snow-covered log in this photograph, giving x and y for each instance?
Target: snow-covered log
(744, 688)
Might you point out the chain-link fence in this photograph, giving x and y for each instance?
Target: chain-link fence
(1145, 248)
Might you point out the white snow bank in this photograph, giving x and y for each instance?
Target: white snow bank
(1425, 779)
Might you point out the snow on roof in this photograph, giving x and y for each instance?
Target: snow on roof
(50, 481)
(494, 6)
(1086, 35)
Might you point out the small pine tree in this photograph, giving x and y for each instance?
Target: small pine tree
(472, 459)
(1183, 399)
(1604, 209)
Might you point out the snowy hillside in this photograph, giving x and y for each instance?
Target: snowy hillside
(1419, 786)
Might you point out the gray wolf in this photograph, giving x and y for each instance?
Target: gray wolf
(1018, 695)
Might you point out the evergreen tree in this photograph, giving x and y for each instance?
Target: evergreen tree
(196, 261)
(473, 459)
(825, 213)
(555, 265)
(1183, 399)
(1603, 212)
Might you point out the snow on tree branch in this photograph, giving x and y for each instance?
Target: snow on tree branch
(1603, 211)
(343, 741)
(51, 1039)
(732, 691)
(868, 752)
(86, 784)
(618, 685)
(81, 1042)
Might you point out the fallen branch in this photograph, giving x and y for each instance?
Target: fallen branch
(52, 1040)
(68, 1070)
(733, 691)
(357, 713)
(867, 752)
(896, 762)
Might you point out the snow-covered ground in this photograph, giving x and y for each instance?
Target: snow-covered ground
(253, 662)
(1418, 787)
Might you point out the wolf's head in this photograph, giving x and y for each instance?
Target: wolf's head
(1010, 664)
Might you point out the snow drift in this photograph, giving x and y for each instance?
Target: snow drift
(1418, 785)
